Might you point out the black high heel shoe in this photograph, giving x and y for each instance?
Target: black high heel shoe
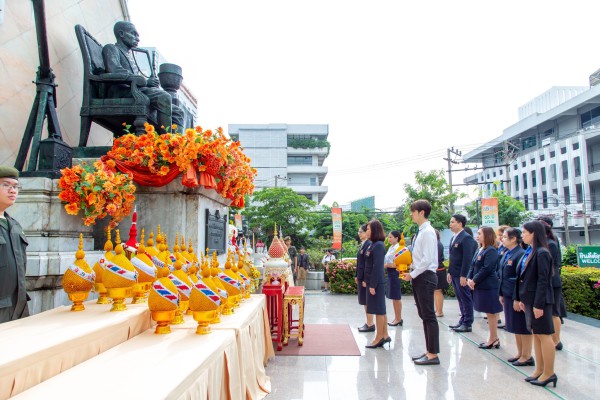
(531, 378)
(378, 344)
(527, 363)
(553, 379)
(494, 345)
(399, 323)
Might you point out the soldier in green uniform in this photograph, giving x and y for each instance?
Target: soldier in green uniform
(13, 257)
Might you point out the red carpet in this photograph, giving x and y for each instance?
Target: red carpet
(323, 340)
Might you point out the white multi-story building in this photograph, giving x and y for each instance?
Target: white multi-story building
(289, 155)
(550, 159)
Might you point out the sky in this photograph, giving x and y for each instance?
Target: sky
(397, 82)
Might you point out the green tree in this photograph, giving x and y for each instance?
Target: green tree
(430, 186)
(511, 211)
(281, 206)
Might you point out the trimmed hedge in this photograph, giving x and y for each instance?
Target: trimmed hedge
(578, 288)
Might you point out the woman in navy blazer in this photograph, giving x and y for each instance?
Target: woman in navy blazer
(483, 280)
(360, 278)
(515, 318)
(534, 292)
(375, 281)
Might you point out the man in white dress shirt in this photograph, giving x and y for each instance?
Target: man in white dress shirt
(424, 280)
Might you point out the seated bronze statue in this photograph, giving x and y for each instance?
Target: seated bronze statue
(116, 92)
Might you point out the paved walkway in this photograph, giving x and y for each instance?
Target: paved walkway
(466, 372)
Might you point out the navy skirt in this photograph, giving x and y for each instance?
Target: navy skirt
(559, 308)
(540, 326)
(376, 303)
(515, 321)
(486, 301)
(393, 290)
(362, 293)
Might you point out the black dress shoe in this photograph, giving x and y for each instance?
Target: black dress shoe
(494, 345)
(419, 356)
(553, 379)
(558, 346)
(463, 328)
(367, 328)
(399, 323)
(380, 343)
(454, 326)
(531, 378)
(528, 363)
(427, 361)
(512, 359)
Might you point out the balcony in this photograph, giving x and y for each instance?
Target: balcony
(307, 169)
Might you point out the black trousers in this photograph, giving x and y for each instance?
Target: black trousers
(423, 287)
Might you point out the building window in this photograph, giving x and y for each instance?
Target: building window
(542, 157)
(515, 167)
(516, 182)
(565, 170)
(552, 154)
(525, 181)
(526, 201)
(494, 174)
(553, 176)
(299, 160)
(501, 185)
(555, 197)
(575, 146)
(567, 194)
(532, 161)
(533, 179)
(523, 164)
(313, 181)
(563, 150)
(577, 164)
(591, 117)
(488, 177)
(535, 201)
(545, 200)
(579, 192)
(528, 142)
(543, 173)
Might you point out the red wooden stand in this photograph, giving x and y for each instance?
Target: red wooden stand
(274, 295)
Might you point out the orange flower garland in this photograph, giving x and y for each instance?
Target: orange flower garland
(154, 160)
(98, 190)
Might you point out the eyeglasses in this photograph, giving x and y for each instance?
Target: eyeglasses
(8, 186)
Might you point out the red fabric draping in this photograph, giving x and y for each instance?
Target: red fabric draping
(207, 180)
(190, 178)
(143, 176)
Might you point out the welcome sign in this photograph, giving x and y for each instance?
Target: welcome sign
(489, 212)
(588, 256)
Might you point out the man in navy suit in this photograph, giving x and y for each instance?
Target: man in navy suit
(462, 250)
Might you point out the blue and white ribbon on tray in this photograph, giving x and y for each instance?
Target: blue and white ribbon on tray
(142, 266)
(90, 277)
(165, 293)
(180, 285)
(157, 262)
(206, 291)
(228, 280)
(120, 271)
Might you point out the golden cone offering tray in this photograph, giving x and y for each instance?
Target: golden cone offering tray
(118, 295)
(183, 306)
(78, 298)
(102, 295)
(162, 318)
(228, 306)
(140, 292)
(204, 318)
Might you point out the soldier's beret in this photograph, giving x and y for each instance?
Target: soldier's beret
(8, 172)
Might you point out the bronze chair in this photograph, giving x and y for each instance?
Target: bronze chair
(97, 106)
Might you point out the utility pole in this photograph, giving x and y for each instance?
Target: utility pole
(450, 162)
(586, 230)
(278, 177)
(566, 222)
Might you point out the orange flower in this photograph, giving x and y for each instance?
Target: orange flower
(72, 208)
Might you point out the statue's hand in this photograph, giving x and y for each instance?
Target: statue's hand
(152, 82)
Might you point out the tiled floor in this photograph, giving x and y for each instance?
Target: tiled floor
(466, 372)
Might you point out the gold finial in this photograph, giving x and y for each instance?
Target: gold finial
(176, 247)
(275, 231)
(190, 247)
(141, 248)
(150, 242)
(119, 247)
(80, 254)
(108, 246)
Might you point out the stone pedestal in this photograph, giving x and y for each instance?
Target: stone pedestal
(54, 235)
(314, 280)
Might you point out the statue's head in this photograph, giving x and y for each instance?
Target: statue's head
(126, 33)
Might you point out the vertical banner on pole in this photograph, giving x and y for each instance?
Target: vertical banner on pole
(238, 222)
(336, 218)
(489, 212)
